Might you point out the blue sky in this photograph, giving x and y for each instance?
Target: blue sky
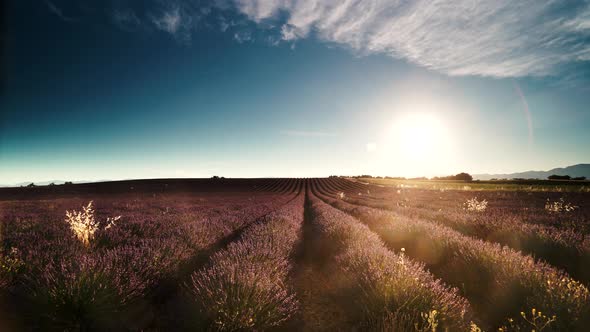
(142, 89)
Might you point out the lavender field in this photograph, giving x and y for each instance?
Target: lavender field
(329, 254)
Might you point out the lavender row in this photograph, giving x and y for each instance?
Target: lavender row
(388, 291)
(246, 287)
(67, 283)
(564, 211)
(499, 282)
(564, 248)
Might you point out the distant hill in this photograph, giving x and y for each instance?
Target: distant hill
(45, 183)
(573, 171)
(24, 184)
(42, 183)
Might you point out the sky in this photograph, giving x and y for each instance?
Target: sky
(96, 90)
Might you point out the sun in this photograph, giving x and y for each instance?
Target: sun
(419, 144)
(419, 135)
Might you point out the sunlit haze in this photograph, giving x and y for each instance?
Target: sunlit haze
(419, 144)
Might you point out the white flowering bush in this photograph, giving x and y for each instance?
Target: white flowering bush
(559, 206)
(83, 224)
(475, 205)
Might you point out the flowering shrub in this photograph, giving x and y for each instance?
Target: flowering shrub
(540, 285)
(377, 274)
(559, 206)
(431, 320)
(515, 219)
(474, 205)
(537, 321)
(10, 266)
(83, 224)
(91, 289)
(246, 285)
(380, 281)
(474, 328)
(86, 275)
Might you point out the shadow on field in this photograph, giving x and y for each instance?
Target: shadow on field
(325, 300)
(303, 261)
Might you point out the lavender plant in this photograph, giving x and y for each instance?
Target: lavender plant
(245, 287)
(381, 281)
(499, 274)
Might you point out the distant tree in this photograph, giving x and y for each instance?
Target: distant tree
(215, 177)
(419, 178)
(68, 183)
(559, 177)
(464, 177)
(458, 177)
(51, 184)
(30, 185)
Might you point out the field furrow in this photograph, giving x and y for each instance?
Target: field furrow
(563, 248)
(246, 286)
(359, 284)
(499, 282)
(314, 254)
(124, 272)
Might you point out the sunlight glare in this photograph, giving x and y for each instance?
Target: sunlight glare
(418, 135)
(419, 143)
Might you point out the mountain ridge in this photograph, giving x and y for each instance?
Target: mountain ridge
(573, 171)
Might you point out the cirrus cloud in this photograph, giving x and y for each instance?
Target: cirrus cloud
(58, 11)
(125, 19)
(176, 20)
(502, 38)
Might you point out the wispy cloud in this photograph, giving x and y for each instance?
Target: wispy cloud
(225, 23)
(126, 19)
(303, 133)
(175, 22)
(58, 11)
(169, 21)
(242, 36)
(288, 32)
(502, 38)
